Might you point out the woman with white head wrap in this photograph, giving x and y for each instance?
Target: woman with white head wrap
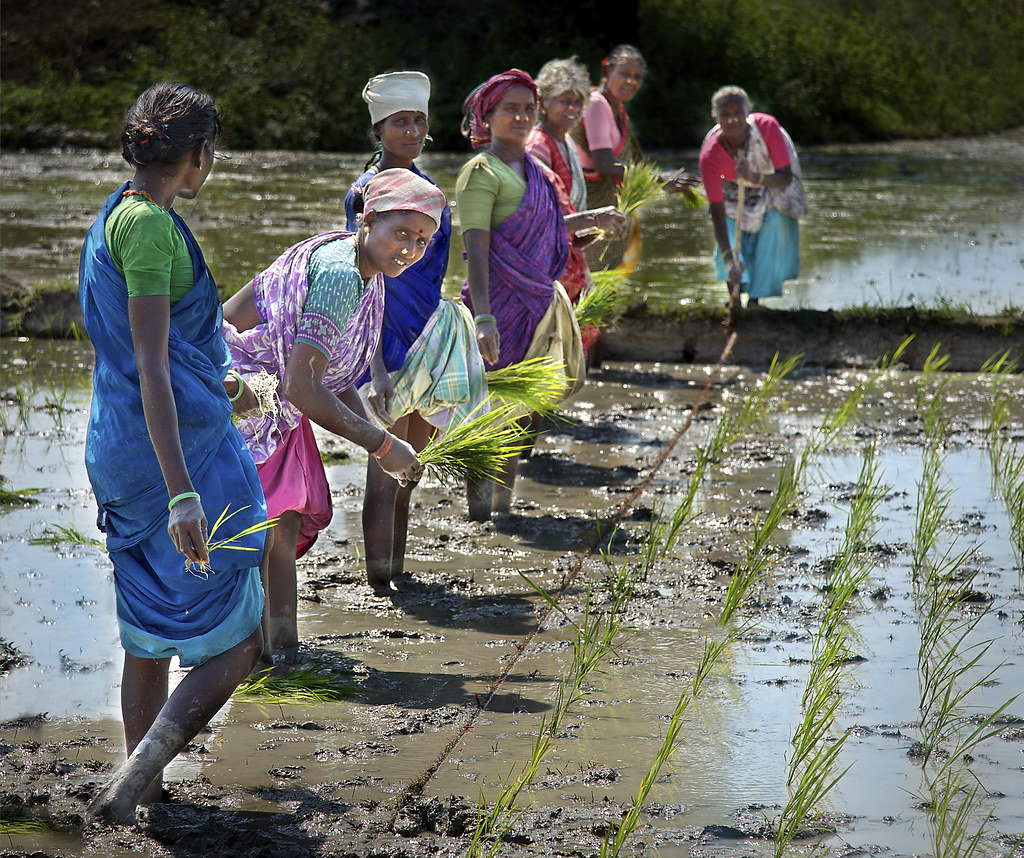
(427, 370)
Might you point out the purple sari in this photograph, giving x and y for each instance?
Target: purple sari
(280, 295)
(528, 253)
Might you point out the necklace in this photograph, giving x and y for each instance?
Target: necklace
(133, 193)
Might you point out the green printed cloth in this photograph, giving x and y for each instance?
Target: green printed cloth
(443, 374)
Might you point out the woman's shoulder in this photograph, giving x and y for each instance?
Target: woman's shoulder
(137, 221)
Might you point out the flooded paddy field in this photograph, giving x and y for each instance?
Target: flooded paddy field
(904, 503)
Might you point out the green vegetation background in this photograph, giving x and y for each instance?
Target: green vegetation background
(288, 73)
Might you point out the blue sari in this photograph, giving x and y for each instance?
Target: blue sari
(411, 299)
(163, 608)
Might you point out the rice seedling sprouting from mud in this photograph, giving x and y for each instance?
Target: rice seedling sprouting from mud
(57, 534)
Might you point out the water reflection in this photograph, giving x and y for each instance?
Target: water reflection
(899, 224)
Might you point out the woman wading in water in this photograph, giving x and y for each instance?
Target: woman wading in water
(161, 450)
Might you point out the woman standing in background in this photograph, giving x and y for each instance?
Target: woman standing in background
(426, 371)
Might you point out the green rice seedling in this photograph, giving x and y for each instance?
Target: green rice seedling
(601, 305)
(22, 497)
(15, 821)
(952, 806)
(933, 365)
(593, 640)
(615, 839)
(640, 183)
(302, 684)
(538, 384)
(58, 534)
(228, 543)
(759, 557)
(930, 513)
(818, 779)
(476, 448)
(838, 418)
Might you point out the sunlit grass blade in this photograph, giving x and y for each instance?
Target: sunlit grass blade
(22, 497)
(303, 684)
(228, 543)
(602, 304)
(537, 384)
(58, 534)
(476, 448)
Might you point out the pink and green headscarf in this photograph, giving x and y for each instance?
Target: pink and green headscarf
(485, 98)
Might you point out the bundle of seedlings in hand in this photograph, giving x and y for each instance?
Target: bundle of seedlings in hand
(640, 182)
(203, 570)
(476, 448)
(303, 684)
(601, 305)
(537, 384)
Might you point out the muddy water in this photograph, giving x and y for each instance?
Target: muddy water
(923, 223)
(429, 660)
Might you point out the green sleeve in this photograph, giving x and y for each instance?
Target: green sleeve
(476, 192)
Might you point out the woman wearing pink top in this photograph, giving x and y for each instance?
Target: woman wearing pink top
(755, 149)
(608, 145)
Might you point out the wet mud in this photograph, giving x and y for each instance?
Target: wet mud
(456, 671)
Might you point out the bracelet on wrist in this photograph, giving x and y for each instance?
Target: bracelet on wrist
(241, 385)
(385, 446)
(484, 317)
(181, 497)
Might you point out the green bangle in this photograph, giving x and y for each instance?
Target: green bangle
(484, 317)
(241, 386)
(181, 497)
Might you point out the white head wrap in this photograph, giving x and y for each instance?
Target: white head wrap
(389, 93)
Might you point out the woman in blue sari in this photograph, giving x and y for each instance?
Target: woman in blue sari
(427, 371)
(161, 448)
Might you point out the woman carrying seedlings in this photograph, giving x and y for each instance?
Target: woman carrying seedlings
(755, 149)
(303, 332)
(517, 243)
(608, 145)
(161, 449)
(426, 370)
(563, 87)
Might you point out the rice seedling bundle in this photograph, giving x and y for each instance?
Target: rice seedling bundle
(537, 383)
(302, 684)
(476, 448)
(640, 182)
(601, 305)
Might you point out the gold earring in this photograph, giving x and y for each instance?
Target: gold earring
(366, 229)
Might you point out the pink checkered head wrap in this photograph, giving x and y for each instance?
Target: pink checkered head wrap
(485, 98)
(399, 189)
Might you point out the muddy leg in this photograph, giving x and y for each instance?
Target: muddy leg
(282, 597)
(501, 499)
(194, 702)
(378, 525)
(143, 694)
(502, 496)
(479, 494)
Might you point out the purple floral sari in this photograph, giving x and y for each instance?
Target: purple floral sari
(280, 295)
(529, 250)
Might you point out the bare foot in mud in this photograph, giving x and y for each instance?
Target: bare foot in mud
(288, 655)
